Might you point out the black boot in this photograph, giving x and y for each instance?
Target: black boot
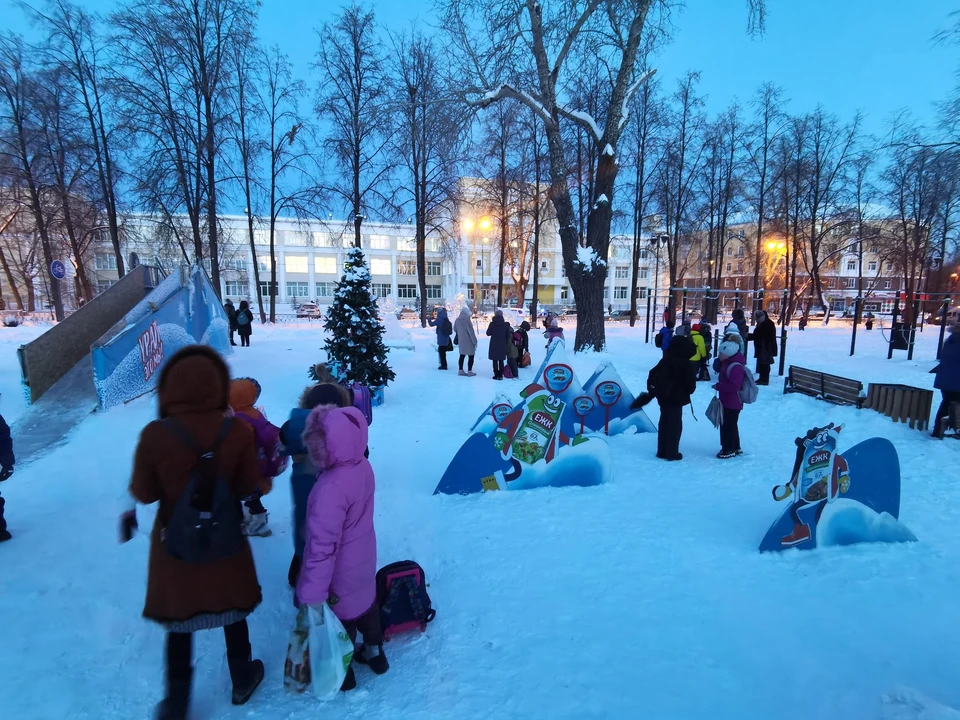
(4, 533)
(293, 574)
(174, 706)
(350, 681)
(378, 663)
(247, 676)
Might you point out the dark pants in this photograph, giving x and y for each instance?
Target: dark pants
(498, 369)
(254, 505)
(244, 340)
(469, 364)
(368, 625)
(443, 357)
(232, 341)
(763, 370)
(3, 522)
(514, 367)
(180, 652)
(949, 396)
(669, 431)
(729, 432)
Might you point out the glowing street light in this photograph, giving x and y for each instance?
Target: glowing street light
(467, 224)
(485, 224)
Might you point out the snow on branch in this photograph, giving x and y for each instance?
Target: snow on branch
(587, 257)
(508, 91)
(628, 97)
(583, 119)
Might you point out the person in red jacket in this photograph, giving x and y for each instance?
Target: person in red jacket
(729, 382)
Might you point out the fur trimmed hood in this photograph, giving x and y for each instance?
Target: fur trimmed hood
(335, 436)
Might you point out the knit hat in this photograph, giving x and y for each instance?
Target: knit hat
(324, 394)
(728, 348)
(681, 331)
(731, 329)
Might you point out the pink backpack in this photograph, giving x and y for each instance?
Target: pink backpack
(271, 462)
(362, 401)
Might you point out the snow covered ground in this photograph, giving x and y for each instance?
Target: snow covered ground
(645, 597)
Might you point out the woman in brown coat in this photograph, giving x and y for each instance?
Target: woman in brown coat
(193, 393)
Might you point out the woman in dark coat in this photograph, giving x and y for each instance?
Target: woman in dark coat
(231, 319)
(672, 381)
(498, 331)
(244, 323)
(193, 393)
(764, 345)
(948, 378)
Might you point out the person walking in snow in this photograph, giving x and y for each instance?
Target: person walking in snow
(664, 335)
(729, 382)
(553, 331)
(304, 474)
(466, 339)
(764, 345)
(671, 381)
(231, 319)
(499, 333)
(444, 335)
(947, 381)
(184, 597)
(244, 394)
(340, 555)
(244, 323)
(7, 461)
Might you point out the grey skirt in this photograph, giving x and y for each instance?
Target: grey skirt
(206, 621)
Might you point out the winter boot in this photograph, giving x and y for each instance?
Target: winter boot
(4, 533)
(174, 706)
(801, 533)
(350, 681)
(462, 373)
(373, 657)
(257, 525)
(471, 373)
(247, 676)
(293, 574)
(727, 454)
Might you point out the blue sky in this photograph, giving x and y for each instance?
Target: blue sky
(877, 56)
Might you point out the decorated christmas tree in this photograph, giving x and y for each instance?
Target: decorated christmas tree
(355, 341)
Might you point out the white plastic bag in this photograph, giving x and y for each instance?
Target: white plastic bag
(331, 651)
(715, 411)
(296, 669)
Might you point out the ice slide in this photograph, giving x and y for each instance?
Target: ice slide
(110, 351)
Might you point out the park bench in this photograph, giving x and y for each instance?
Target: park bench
(832, 388)
(901, 403)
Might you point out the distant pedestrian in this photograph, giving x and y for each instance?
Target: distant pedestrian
(729, 381)
(947, 381)
(231, 311)
(244, 323)
(553, 331)
(802, 325)
(514, 344)
(764, 345)
(7, 462)
(466, 339)
(498, 332)
(444, 335)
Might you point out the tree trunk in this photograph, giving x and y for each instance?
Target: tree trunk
(10, 281)
(212, 225)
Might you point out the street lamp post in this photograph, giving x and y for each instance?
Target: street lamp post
(655, 244)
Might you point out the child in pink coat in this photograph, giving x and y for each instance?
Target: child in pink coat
(340, 556)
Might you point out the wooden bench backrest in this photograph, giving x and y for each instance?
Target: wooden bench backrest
(830, 386)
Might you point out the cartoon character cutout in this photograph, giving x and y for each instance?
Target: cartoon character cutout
(532, 432)
(819, 477)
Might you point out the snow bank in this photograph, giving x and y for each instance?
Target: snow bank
(846, 522)
(584, 465)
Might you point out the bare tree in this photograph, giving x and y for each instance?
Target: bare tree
(19, 94)
(429, 143)
(547, 38)
(353, 89)
(74, 45)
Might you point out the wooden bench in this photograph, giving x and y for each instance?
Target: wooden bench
(901, 403)
(832, 388)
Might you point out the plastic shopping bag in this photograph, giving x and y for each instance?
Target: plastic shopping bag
(715, 412)
(296, 669)
(330, 651)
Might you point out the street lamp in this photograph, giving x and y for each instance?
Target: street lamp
(655, 245)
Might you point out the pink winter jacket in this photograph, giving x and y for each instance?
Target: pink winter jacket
(730, 380)
(340, 557)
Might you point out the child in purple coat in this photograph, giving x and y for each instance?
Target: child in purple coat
(340, 556)
(729, 382)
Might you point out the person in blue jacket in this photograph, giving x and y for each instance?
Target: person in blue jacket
(304, 473)
(6, 470)
(665, 335)
(444, 335)
(948, 378)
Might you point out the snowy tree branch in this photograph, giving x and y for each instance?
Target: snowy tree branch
(584, 119)
(504, 91)
(628, 97)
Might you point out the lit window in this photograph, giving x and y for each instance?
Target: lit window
(380, 266)
(327, 265)
(406, 267)
(298, 289)
(295, 264)
(325, 289)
